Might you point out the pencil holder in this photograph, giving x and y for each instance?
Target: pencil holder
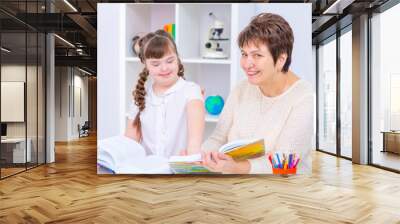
(280, 171)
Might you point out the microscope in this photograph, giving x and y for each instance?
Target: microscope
(212, 46)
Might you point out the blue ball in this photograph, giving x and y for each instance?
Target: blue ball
(214, 104)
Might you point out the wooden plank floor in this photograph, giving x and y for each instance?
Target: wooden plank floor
(70, 191)
(10, 171)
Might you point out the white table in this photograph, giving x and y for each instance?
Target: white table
(19, 155)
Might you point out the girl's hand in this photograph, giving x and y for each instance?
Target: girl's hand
(186, 152)
(183, 152)
(220, 162)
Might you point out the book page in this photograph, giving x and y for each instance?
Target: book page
(188, 159)
(119, 151)
(148, 165)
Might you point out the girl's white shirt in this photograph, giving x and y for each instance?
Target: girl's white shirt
(164, 119)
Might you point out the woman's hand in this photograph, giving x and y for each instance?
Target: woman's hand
(220, 162)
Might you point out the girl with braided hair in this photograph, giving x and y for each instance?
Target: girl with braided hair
(167, 114)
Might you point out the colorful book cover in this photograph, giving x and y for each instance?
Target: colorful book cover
(173, 31)
(170, 28)
(188, 168)
(247, 151)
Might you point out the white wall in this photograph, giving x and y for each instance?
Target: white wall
(299, 18)
(80, 82)
(110, 67)
(12, 101)
(17, 73)
(14, 73)
(67, 82)
(33, 126)
(61, 103)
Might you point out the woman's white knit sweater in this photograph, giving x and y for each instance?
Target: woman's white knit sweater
(285, 122)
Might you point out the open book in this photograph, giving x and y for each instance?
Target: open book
(238, 150)
(122, 155)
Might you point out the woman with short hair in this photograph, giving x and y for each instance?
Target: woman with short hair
(273, 103)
